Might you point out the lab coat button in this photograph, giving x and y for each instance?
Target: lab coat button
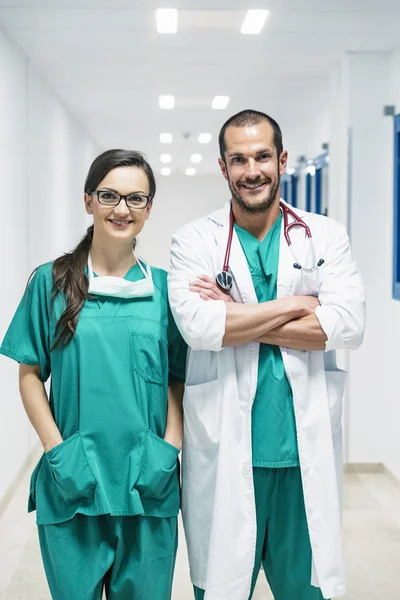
(245, 469)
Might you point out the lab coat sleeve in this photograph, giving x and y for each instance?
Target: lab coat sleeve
(341, 313)
(201, 323)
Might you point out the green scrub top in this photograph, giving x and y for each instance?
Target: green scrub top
(274, 439)
(108, 396)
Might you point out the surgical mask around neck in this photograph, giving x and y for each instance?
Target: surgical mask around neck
(118, 287)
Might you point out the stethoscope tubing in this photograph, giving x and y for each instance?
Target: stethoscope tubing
(224, 279)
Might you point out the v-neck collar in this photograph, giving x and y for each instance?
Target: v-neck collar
(129, 276)
(258, 253)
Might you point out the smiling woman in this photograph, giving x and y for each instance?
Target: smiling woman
(97, 320)
(111, 238)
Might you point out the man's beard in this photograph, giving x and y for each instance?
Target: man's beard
(264, 205)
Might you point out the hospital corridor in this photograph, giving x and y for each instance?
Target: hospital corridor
(200, 299)
(371, 526)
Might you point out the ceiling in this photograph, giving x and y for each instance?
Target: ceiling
(106, 61)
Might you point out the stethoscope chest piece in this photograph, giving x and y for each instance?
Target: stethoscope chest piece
(224, 280)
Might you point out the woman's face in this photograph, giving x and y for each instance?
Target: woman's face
(119, 222)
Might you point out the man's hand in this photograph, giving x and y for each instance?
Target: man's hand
(208, 289)
(306, 304)
(293, 310)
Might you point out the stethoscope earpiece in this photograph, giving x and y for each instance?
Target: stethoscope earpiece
(320, 262)
(296, 266)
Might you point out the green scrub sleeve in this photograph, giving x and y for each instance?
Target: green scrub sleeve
(28, 337)
(177, 351)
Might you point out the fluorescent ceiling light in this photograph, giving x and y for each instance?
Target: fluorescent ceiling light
(254, 21)
(166, 102)
(291, 171)
(167, 20)
(190, 171)
(220, 102)
(165, 158)
(166, 138)
(165, 171)
(196, 158)
(205, 138)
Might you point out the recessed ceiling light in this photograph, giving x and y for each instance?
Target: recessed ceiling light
(190, 171)
(165, 171)
(167, 20)
(220, 102)
(165, 158)
(205, 138)
(254, 21)
(166, 102)
(196, 158)
(166, 138)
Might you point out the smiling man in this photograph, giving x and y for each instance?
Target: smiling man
(262, 427)
(253, 184)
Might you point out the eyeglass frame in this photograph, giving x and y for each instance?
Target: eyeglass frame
(122, 197)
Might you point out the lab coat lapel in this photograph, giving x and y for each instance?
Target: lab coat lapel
(289, 278)
(241, 273)
(286, 272)
(243, 288)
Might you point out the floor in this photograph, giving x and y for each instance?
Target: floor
(372, 543)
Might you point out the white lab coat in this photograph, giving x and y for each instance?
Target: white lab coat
(218, 503)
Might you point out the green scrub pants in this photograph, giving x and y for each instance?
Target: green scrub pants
(283, 545)
(132, 558)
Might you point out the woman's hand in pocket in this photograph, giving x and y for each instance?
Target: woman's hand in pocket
(174, 440)
(50, 444)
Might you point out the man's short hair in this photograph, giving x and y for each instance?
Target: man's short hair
(247, 118)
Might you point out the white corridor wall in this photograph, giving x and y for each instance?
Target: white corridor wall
(390, 313)
(44, 156)
(361, 171)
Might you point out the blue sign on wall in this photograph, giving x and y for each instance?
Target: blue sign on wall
(396, 232)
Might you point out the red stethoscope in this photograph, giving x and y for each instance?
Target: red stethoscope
(225, 279)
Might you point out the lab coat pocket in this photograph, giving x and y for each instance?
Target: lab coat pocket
(202, 416)
(309, 283)
(70, 469)
(149, 356)
(335, 383)
(158, 475)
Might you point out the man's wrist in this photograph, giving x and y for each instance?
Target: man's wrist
(295, 310)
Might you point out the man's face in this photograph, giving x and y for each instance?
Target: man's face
(252, 168)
